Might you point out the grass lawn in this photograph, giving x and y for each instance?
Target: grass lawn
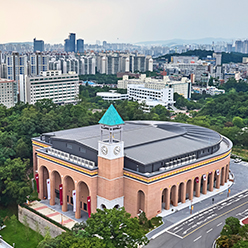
(19, 238)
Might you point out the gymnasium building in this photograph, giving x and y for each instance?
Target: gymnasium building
(142, 165)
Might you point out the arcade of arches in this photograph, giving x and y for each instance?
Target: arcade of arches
(82, 190)
(193, 187)
(169, 196)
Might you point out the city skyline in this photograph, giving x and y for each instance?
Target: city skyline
(121, 22)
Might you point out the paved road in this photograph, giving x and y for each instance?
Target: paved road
(202, 229)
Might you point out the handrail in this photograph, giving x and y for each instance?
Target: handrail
(70, 157)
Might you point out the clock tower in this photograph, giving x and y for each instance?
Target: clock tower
(110, 161)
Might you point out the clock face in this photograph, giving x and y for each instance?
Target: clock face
(104, 150)
(117, 150)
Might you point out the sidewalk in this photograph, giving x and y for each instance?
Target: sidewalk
(195, 200)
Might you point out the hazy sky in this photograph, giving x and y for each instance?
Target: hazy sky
(122, 20)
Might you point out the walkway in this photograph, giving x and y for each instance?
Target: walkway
(69, 213)
(195, 200)
(52, 214)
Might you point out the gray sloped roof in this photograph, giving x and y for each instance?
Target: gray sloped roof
(148, 141)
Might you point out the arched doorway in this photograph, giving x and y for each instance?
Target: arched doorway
(217, 179)
(204, 184)
(57, 182)
(227, 173)
(189, 190)
(83, 194)
(141, 201)
(174, 196)
(165, 199)
(181, 192)
(222, 176)
(69, 187)
(197, 186)
(43, 176)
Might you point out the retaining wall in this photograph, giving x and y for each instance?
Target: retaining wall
(32, 218)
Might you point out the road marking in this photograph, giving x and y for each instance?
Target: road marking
(197, 238)
(215, 218)
(219, 224)
(174, 234)
(212, 207)
(179, 230)
(209, 230)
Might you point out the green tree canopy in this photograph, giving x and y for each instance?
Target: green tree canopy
(116, 227)
(14, 183)
(234, 224)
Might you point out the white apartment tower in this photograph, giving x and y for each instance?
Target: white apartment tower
(61, 88)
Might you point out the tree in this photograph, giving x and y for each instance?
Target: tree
(14, 184)
(13, 222)
(69, 240)
(22, 149)
(47, 241)
(238, 121)
(243, 231)
(223, 241)
(161, 111)
(241, 244)
(226, 231)
(116, 228)
(234, 224)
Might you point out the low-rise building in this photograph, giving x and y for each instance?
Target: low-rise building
(211, 90)
(61, 88)
(112, 95)
(182, 87)
(149, 96)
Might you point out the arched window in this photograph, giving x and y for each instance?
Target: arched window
(103, 206)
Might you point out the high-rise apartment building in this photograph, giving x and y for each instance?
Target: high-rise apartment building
(7, 91)
(80, 45)
(217, 57)
(38, 45)
(70, 43)
(229, 48)
(61, 88)
(238, 46)
(38, 62)
(111, 63)
(16, 66)
(81, 65)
